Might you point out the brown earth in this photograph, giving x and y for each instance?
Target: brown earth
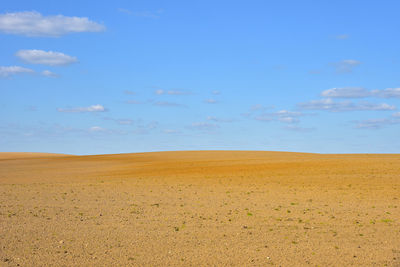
(235, 208)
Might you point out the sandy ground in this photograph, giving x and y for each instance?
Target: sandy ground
(222, 208)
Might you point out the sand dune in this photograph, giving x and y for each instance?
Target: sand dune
(191, 208)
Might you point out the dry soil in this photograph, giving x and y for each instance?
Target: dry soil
(200, 208)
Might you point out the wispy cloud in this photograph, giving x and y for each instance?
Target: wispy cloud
(97, 129)
(346, 66)
(102, 130)
(297, 128)
(125, 11)
(31, 108)
(32, 23)
(149, 14)
(120, 121)
(216, 92)
(284, 116)
(314, 72)
(256, 109)
(211, 101)
(49, 58)
(342, 37)
(7, 71)
(346, 92)
(215, 119)
(170, 131)
(129, 92)
(375, 123)
(329, 104)
(93, 108)
(387, 93)
(360, 92)
(167, 104)
(146, 128)
(45, 130)
(171, 92)
(49, 74)
(204, 126)
(133, 102)
(124, 121)
(178, 92)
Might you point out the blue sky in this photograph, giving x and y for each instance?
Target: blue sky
(89, 77)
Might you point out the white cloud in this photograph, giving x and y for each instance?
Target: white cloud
(49, 74)
(49, 58)
(171, 92)
(397, 114)
(387, 93)
(264, 117)
(346, 66)
(375, 123)
(13, 70)
(360, 92)
(286, 113)
(124, 121)
(258, 107)
(101, 130)
(204, 126)
(120, 121)
(284, 116)
(211, 101)
(330, 105)
(167, 104)
(346, 92)
(46, 130)
(212, 118)
(93, 108)
(177, 92)
(145, 128)
(288, 116)
(32, 23)
(216, 92)
(289, 119)
(97, 129)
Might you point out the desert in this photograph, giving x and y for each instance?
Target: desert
(199, 133)
(200, 208)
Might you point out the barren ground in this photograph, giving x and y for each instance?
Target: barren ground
(200, 208)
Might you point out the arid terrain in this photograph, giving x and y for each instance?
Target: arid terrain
(200, 208)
